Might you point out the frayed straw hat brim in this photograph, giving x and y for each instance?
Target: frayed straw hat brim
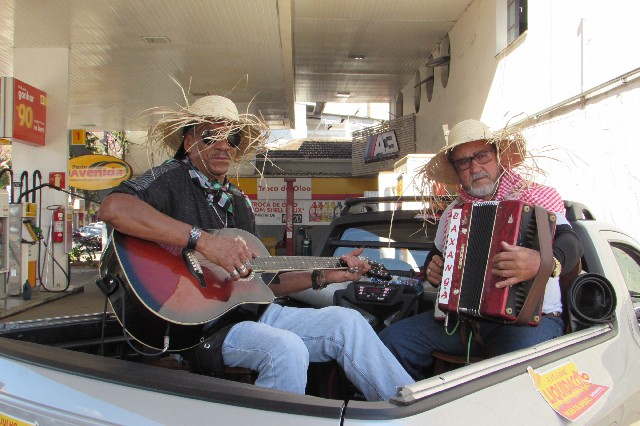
(511, 150)
(167, 131)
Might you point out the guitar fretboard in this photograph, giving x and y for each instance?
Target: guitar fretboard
(294, 263)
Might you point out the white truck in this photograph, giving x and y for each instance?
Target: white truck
(82, 370)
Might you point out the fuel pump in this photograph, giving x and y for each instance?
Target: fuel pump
(24, 236)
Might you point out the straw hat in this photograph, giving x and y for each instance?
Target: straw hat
(168, 130)
(511, 150)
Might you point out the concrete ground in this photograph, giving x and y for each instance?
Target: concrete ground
(82, 297)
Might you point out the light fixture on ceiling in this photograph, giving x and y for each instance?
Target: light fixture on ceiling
(88, 125)
(356, 56)
(199, 94)
(343, 94)
(157, 39)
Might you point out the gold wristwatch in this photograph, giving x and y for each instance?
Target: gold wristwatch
(557, 268)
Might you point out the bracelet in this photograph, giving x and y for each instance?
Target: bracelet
(318, 280)
(194, 236)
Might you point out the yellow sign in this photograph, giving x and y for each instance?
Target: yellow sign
(78, 137)
(568, 390)
(6, 419)
(96, 172)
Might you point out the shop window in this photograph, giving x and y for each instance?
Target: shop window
(511, 22)
(517, 21)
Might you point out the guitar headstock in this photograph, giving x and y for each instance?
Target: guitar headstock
(378, 271)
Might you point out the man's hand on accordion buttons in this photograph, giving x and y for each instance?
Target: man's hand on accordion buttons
(515, 264)
(434, 271)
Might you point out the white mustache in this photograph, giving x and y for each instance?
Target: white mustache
(481, 174)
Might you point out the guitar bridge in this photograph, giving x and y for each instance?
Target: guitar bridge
(194, 266)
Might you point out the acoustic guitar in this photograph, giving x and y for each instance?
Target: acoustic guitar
(163, 295)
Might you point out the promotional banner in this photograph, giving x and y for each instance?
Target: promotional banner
(24, 112)
(96, 172)
(305, 212)
(317, 201)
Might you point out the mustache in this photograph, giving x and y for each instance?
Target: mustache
(480, 174)
(209, 152)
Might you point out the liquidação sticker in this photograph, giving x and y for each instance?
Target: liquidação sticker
(567, 390)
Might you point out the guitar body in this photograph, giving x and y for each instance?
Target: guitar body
(157, 295)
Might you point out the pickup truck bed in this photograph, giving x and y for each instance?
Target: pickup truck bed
(82, 370)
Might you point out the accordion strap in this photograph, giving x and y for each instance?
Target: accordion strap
(546, 267)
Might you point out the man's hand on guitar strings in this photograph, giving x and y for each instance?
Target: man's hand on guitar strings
(230, 253)
(356, 268)
(516, 264)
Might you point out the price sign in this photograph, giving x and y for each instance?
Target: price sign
(29, 113)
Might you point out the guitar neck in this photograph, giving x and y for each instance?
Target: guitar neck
(294, 263)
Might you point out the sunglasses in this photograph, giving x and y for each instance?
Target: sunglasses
(211, 136)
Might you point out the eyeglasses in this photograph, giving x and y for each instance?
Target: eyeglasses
(211, 136)
(481, 157)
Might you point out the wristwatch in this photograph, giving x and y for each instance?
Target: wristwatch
(557, 268)
(194, 236)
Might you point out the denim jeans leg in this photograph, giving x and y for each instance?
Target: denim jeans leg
(344, 335)
(279, 356)
(500, 339)
(413, 339)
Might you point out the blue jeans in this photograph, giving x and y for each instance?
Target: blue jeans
(413, 339)
(281, 345)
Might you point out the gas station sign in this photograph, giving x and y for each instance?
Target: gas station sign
(96, 172)
(317, 201)
(24, 112)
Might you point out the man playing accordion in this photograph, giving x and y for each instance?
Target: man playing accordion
(482, 166)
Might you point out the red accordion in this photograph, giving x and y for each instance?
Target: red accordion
(473, 239)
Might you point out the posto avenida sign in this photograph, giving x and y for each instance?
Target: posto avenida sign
(96, 172)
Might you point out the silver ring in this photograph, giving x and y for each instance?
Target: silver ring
(247, 264)
(428, 271)
(242, 269)
(234, 273)
(353, 270)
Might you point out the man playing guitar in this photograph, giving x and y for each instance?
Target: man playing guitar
(183, 203)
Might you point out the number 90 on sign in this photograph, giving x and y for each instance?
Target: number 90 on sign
(25, 114)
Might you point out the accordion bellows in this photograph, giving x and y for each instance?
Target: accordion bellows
(473, 239)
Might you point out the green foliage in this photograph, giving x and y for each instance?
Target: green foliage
(5, 163)
(83, 255)
(113, 143)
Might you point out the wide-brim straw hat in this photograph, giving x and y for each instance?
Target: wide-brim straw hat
(168, 129)
(511, 150)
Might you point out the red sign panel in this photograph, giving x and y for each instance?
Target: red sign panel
(29, 113)
(57, 179)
